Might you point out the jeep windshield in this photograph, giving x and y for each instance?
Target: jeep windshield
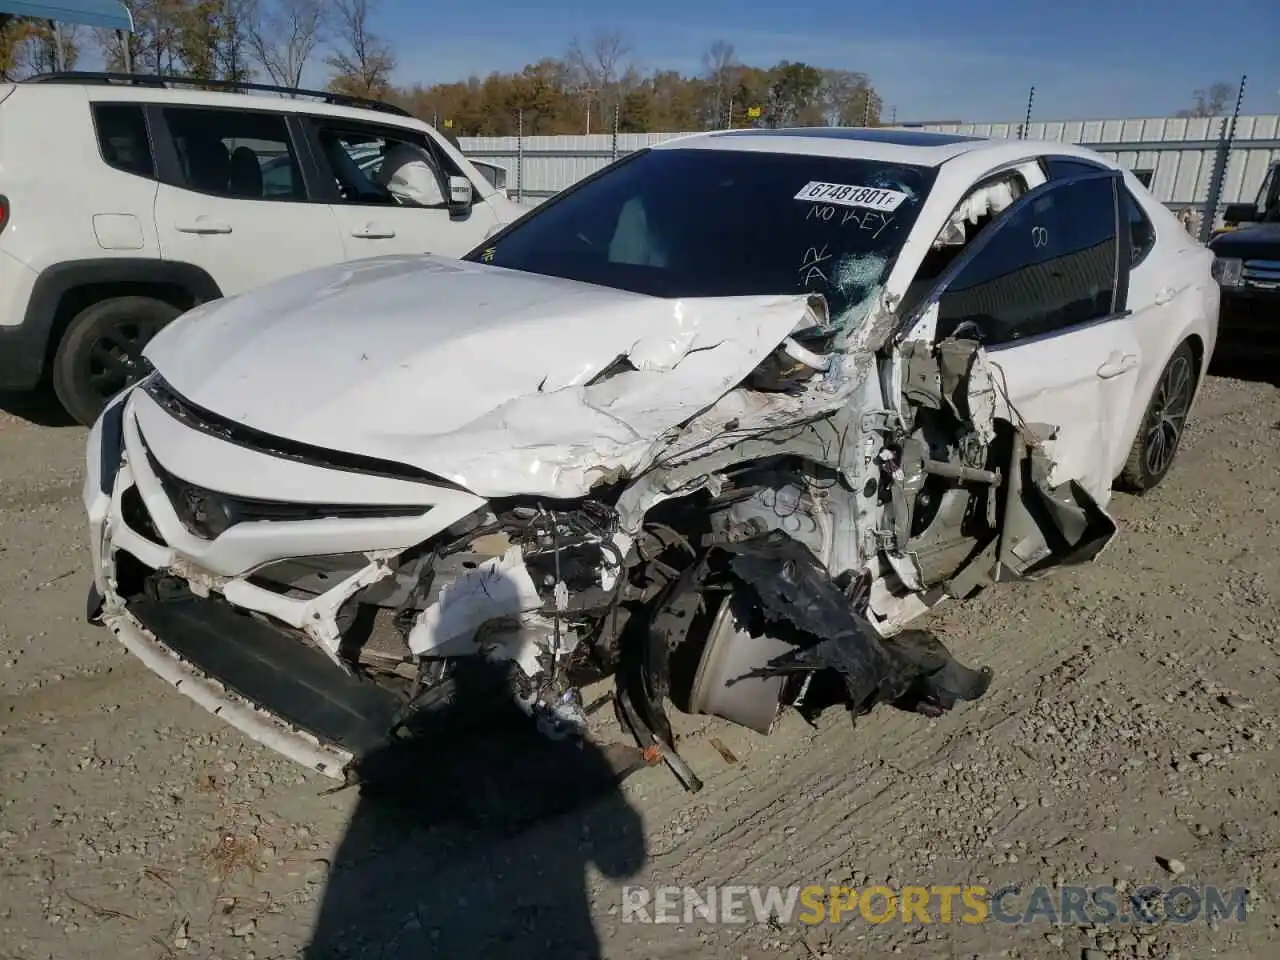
(714, 223)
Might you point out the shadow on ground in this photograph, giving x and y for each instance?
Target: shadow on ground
(479, 846)
(1237, 368)
(39, 407)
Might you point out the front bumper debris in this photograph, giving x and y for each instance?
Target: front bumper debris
(222, 698)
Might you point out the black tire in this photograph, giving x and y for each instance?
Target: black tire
(1163, 423)
(101, 352)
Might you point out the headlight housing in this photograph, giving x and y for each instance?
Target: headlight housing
(1227, 271)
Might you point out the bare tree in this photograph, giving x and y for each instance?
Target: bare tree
(34, 46)
(598, 67)
(848, 99)
(234, 53)
(361, 61)
(283, 37)
(154, 45)
(1209, 103)
(600, 62)
(720, 67)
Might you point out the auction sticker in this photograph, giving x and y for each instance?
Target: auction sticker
(849, 195)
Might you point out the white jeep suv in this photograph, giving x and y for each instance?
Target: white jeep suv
(126, 200)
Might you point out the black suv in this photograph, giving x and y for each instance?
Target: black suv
(1248, 270)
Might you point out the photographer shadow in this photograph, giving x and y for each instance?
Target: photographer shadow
(475, 838)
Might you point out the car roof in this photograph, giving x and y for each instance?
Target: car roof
(190, 97)
(890, 145)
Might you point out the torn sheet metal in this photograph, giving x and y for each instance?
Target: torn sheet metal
(315, 616)
(914, 671)
(497, 589)
(1047, 525)
(503, 392)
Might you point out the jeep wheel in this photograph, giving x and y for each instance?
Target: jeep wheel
(101, 352)
(1160, 433)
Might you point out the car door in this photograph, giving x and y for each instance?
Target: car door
(389, 189)
(1043, 289)
(1165, 286)
(232, 197)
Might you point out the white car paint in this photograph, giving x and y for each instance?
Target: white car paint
(269, 235)
(72, 213)
(482, 377)
(219, 234)
(493, 397)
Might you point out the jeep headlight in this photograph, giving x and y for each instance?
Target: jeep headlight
(1227, 271)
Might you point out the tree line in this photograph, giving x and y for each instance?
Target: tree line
(271, 41)
(596, 85)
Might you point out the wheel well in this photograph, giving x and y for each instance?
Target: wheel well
(1197, 354)
(79, 298)
(1197, 357)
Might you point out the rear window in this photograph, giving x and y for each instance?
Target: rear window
(244, 154)
(122, 138)
(704, 223)
(1142, 233)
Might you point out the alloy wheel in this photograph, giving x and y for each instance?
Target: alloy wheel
(1168, 415)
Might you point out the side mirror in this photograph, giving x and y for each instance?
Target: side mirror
(461, 196)
(1240, 213)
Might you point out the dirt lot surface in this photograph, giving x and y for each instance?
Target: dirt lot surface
(1129, 738)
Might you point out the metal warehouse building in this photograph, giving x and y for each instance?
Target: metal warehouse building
(1178, 158)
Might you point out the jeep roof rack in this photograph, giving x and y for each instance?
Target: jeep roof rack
(224, 86)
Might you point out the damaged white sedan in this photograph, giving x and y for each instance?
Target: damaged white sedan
(721, 421)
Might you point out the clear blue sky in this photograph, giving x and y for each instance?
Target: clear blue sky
(932, 59)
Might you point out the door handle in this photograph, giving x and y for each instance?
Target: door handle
(201, 225)
(1164, 295)
(373, 231)
(1117, 365)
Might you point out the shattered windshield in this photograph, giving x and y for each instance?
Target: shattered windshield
(712, 223)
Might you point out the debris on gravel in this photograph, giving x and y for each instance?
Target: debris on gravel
(1128, 744)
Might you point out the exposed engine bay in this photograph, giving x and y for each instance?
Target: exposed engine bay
(781, 569)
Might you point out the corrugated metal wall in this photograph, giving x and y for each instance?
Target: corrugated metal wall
(1180, 153)
(549, 164)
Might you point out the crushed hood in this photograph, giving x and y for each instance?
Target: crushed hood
(475, 373)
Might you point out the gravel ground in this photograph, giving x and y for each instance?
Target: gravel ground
(1129, 738)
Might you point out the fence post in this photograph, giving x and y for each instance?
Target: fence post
(615, 131)
(1209, 213)
(519, 156)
